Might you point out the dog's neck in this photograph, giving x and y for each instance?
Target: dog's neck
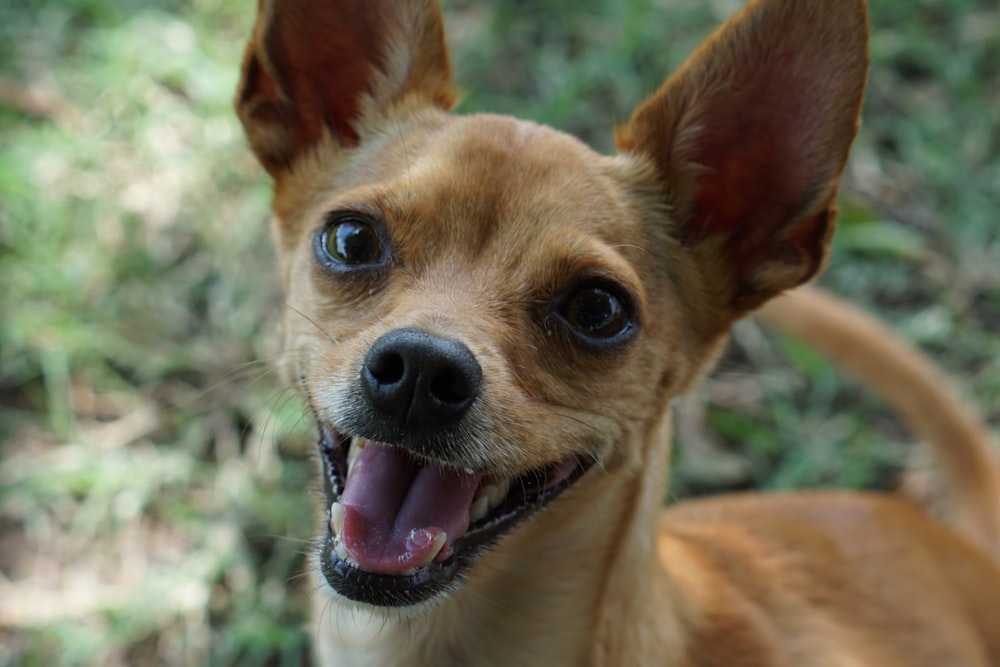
(547, 563)
(635, 585)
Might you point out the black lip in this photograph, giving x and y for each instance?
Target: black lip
(528, 494)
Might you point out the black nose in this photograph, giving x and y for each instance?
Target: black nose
(420, 381)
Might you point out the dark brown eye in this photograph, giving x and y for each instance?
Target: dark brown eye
(351, 241)
(597, 313)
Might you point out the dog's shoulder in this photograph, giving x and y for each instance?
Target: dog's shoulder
(750, 564)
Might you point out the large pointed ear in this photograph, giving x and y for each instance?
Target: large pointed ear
(749, 139)
(318, 67)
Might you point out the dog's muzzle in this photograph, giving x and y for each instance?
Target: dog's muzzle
(405, 515)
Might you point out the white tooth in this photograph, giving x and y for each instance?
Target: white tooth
(492, 495)
(494, 490)
(497, 492)
(480, 506)
(468, 471)
(436, 547)
(357, 444)
(337, 518)
(341, 551)
(504, 488)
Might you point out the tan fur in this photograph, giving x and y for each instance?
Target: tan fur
(721, 198)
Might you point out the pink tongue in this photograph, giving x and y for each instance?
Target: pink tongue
(394, 508)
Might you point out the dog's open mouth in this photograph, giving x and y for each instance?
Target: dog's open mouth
(401, 529)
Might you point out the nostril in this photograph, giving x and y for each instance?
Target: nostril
(451, 386)
(387, 368)
(419, 381)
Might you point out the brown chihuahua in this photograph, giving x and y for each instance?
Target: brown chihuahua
(490, 321)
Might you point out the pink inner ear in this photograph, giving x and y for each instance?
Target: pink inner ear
(755, 154)
(311, 64)
(754, 129)
(723, 195)
(760, 192)
(325, 62)
(341, 104)
(749, 139)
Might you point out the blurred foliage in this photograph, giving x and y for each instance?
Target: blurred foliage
(151, 492)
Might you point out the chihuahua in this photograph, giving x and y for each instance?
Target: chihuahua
(488, 321)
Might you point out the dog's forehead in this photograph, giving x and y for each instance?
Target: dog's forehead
(511, 202)
(488, 180)
(510, 158)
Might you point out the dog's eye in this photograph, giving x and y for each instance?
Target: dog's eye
(597, 313)
(351, 240)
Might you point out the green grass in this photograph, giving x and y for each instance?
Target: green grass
(151, 489)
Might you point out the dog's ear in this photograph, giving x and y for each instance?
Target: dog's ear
(319, 67)
(749, 139)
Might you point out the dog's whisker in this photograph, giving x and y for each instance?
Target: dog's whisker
(631, 246)
(310, 321)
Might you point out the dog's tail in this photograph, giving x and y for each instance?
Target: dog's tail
(915, 388)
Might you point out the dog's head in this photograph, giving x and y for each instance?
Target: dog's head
(485, 313)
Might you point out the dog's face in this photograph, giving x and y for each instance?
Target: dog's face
(483, 312)
(485, 296)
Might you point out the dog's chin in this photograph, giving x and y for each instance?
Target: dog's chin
(499, 505)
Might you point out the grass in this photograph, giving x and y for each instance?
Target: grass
(151, 489)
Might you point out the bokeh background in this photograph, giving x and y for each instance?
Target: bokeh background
(155, 484)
